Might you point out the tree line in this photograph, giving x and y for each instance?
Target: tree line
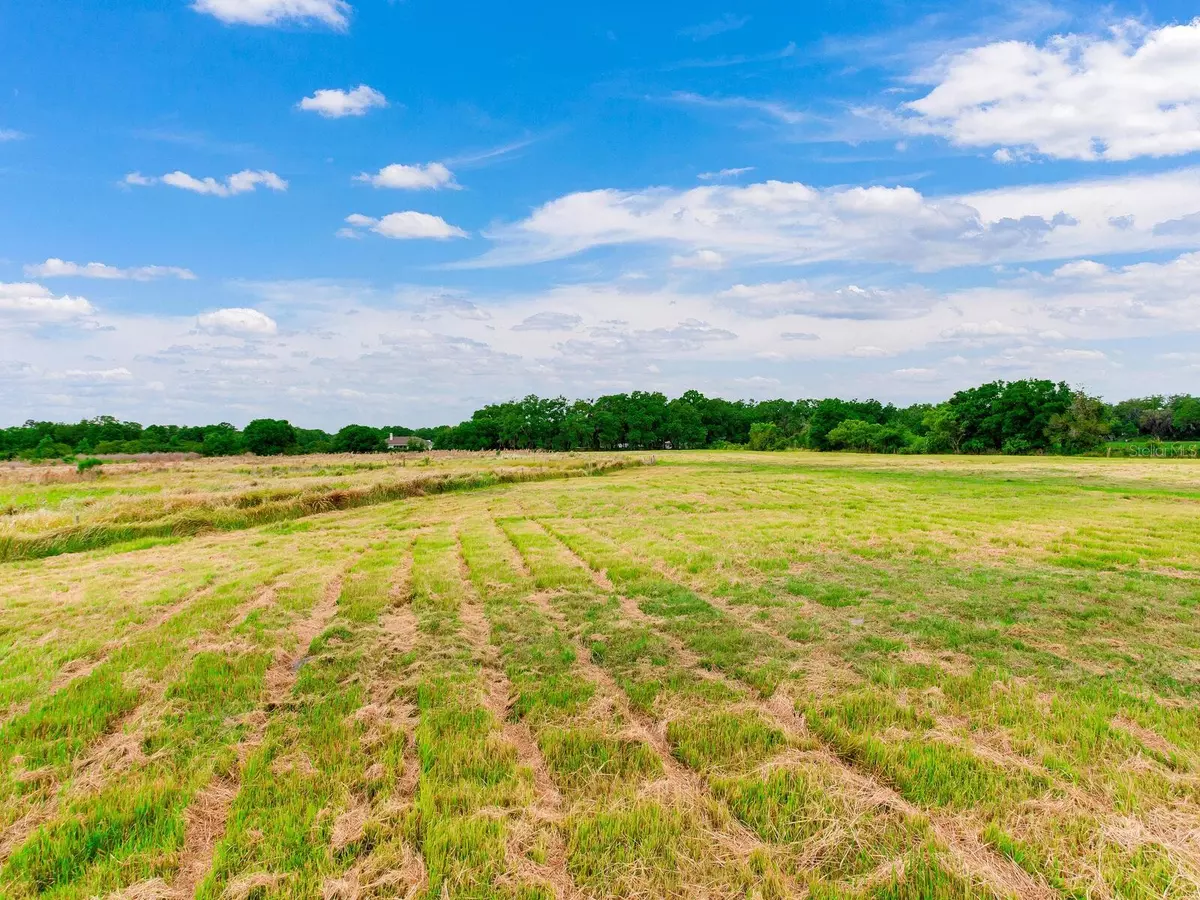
(1013, 417)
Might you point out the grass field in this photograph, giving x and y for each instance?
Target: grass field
(709, 675)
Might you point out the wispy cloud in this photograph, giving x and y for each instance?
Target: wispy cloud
(725, 173)
(737, 59)
(490, 154)
(706, 30)
(770, 108)
(9, 134)
(193, 139)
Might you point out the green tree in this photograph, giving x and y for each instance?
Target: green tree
(1082, 426)
(269, 437)
(943, 428)
(221, 440)
(359, 439)
(1186, 416)
(767, 436)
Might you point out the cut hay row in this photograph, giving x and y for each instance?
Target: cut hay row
(255, 508)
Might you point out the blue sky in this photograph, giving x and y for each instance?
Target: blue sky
(397, 211)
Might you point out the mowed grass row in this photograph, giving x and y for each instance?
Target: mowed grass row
(321, 770)
(627, 829)
(728, 676)
(886, 727)
(816, 829)
(470, 792)
(1073, 729)
(109, 764)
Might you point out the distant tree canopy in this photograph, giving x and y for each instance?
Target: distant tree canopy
(1025, 416)
(359, 439)
(269, 437)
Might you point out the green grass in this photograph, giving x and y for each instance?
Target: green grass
(725, 675)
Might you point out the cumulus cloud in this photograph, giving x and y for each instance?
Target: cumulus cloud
(1134, 92)
(334, 13)
(796, 224)
(549, 321)
(1080, 268)
(28, 302)
(403, 226)
(237, 321)
(333, 103)
(58, 268)
(431, 176)
(238, 183)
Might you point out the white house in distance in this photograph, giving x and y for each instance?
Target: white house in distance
(408, 442)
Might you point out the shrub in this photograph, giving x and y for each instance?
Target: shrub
(767, 436)
(87, 464)
(1016, 447)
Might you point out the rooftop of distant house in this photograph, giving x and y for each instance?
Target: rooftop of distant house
(407, 440)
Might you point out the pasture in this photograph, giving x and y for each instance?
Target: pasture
(703, 675)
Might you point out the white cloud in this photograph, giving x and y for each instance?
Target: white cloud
(333, 103)
(1081, 268)
(27, 302)
(432, 176)
(362, 352)
(57, 268)
(1132, 93)
(237, 321)
(725, 173)
(333, 13)
(792, 223)
(119, 373)
(916, 373)
(238, 183)
(9, 134)
(549, 321)
(989, 329)
(757, 382)
(706, 30)
(1076, 354)
(772, 109)
(781, 298)
(404, 226)
(701, 259)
